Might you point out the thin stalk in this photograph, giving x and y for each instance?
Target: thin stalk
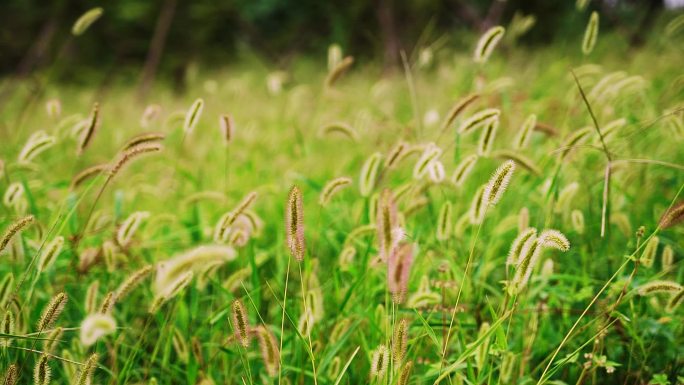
(282, 321)
(460, 290)
(308, 327)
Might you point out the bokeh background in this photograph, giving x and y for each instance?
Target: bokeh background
(139, 34)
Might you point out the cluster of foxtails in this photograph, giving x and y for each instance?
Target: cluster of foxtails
(395, 251)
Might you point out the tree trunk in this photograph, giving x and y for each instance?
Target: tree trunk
(157, 44)
(494, 14)
(388, 30)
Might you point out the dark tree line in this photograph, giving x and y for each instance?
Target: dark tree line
(162, 36)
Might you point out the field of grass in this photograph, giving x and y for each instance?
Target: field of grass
(153, 246)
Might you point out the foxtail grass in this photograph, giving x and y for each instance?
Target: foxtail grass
(86, 20)
(487, 43)
(590, 34)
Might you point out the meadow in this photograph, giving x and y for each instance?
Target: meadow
(510, 216)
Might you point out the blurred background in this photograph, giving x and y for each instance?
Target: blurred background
(146, 40)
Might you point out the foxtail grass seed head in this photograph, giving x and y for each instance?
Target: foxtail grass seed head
(108, 303)
(580, 5)
(444, 222)
(622, 222)
(240, 321)
(49, 255)
(130, 154)
(431, 153)
(333, 187)
(171, 275)
(458, 108)
(334, 55)
(42, 374)
(145, 138)
(650, 250)
(399, 271)
(554, 239)
(197, 352)
(157, 302)
(380, 363)
(369, 173)
(53, 339)
(269, 350)
(498, 183)
(386, 221)
(514, 254)
(306, 322)
(675, 300)
(655, 287)
(96, 326)
(574, 140)
(85, 376)
(487, 138)
(334, 368)
(577, 219)
(110, 253)
(373, 204)
(231, 217)
(13, 195)
(525, 132)
(15, 228)
(400, 341)
(667, 258)
(11, 375)
(405, 374)
(340, 128)
(36, 144)
(129, 227)
(674, 25)
(86, 20)
(530, 254)
(346, 258)
(174, 288)
(180, 345)
(90, 302)
(53, 108)
(605, 83)
(479, 119)
(565, 197)
(88, 173)
(192, 116)
(52, 311)
(464, 168)
(359, 232)
(89, 132)
(590, 34)
(547, 269)
(133, 281)
(520, 160)
(610, 128)
(673, 216)
(340, 69)
(7, 327)
(6, 288)
(483, 348)
(150, 114)
(227, 126)
(487, 43)
(436, 172)
(294, 218)
(477, 207)
(396, 154)
(523, 219)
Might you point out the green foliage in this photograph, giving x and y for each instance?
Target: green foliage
(579, 318)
